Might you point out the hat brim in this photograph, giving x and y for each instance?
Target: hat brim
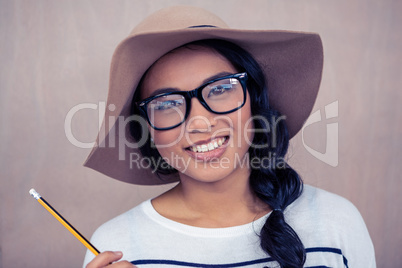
(291, 61)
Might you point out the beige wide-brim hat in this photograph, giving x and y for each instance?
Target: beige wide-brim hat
(291, 61)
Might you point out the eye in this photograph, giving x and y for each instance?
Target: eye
(166, 104)
(220, 89)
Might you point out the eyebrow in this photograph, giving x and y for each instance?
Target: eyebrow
(171, 89)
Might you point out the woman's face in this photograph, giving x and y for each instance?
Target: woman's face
(227, 136)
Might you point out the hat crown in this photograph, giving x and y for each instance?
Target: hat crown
(176, 18)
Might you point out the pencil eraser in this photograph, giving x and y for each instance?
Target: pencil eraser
(34, 194)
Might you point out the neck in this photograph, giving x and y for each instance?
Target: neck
(227, 202)
(226, 194)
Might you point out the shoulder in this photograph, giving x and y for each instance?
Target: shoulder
(325, 202)
(327, 220)
(120, 232)
(321, 208)
(115, 233)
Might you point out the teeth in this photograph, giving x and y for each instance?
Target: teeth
(204, 148)
(208, 147)
(211, 146)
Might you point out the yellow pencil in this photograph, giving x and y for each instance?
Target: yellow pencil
(66, 224)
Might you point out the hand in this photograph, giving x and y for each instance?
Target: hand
(107, 258)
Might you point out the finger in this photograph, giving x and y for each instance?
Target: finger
(105, 258)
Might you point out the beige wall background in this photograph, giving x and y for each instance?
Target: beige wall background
(56, 55)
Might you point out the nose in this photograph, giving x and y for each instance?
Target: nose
(199, 119)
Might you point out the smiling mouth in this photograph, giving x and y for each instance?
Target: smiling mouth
(207, 147)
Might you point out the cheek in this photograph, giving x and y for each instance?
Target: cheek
(247, 133)
(246, 123)
(167, 141)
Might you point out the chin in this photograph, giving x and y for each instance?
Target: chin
(206, 173)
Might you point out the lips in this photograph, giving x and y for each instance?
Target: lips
(207, 150)
(208, 147)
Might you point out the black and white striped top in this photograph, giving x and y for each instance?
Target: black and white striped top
(330, 227)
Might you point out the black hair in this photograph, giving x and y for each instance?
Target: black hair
(277, 185)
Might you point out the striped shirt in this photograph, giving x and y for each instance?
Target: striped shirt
(330, 227)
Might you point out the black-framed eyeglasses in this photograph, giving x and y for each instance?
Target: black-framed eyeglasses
(220, 96)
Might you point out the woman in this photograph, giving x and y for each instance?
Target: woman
(214, 108)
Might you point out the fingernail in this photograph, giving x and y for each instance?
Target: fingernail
(118, 253)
